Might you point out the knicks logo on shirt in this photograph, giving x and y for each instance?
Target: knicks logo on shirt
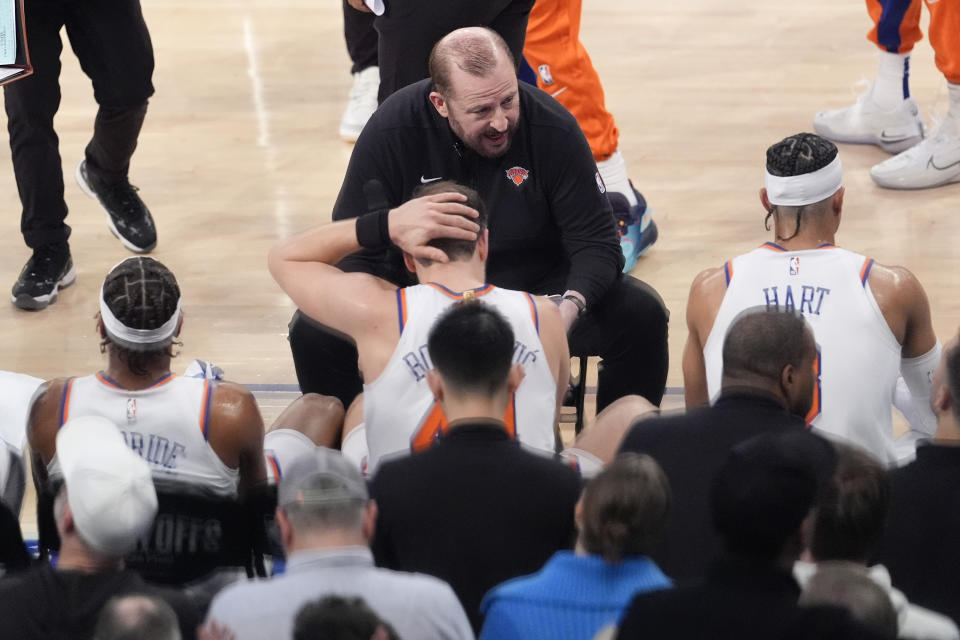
(517, 175)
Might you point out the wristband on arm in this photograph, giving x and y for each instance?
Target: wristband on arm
(917, 373)
(373, 230)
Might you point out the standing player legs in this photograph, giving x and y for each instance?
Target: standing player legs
(565, 71)
(936, 160)
(885, 115)
(31, 104)
(628, 330)
(113, 45)
(408, 30)
(361, 39)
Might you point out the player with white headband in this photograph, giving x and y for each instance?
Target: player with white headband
(871, 322)
(205, 433)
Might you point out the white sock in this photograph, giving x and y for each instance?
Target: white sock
(891, 87)
(953, 109)
(613, 170)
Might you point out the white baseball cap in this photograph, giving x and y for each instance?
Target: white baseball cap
(109, 488)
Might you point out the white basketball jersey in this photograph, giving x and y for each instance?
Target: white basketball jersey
(399, 411)
(165, 424)
(859, 357)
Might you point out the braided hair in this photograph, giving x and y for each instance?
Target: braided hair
(142, 294)
(795, 156)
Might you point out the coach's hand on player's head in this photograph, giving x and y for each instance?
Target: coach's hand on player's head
(420, 220)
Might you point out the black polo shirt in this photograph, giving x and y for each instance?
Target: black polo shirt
(551, 226)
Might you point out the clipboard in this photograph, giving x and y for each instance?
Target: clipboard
(13, 39)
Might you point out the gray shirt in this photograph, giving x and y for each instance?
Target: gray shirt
(418, 606)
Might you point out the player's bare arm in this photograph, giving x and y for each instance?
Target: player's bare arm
(905, 307)
(553, 336)
(358, 304)
(43, 422)
(706, 294)
(235, 432)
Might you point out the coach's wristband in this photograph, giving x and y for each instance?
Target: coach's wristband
(373, 230)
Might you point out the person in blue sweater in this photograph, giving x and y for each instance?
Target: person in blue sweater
(620, 517)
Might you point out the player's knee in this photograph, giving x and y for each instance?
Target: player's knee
(643, 306)
(328, 406)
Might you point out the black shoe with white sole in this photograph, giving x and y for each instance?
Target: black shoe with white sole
(48, 269)
(129, 219)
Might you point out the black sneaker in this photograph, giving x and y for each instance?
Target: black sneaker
(129, 219)
(49, 268)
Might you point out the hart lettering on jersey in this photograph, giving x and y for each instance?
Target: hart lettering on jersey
(155, 449)
(418, 362)
(805, 298)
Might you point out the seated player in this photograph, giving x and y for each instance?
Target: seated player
(390, 327)
(192, 431)
(871, 322)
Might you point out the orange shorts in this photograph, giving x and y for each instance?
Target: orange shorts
(897, 28)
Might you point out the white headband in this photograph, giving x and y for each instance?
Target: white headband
(807, 188)
(135, 339)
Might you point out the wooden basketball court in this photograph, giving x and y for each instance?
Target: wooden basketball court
(240, 148)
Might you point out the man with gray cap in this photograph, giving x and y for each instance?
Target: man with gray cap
(106, 503)
(326, 521)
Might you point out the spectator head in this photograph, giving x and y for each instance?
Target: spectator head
(137, 617)
(849, 586)
(764, 492)
(945, 392)
(853, 508)
(471, 348)
(140, 313)
(623, 511)
(338, 618)
(322, 501)
(773, 349)
(804, 186)
(107, 501)
(475, 88)
(455, 248)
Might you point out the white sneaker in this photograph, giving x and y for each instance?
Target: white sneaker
(933, 162)
(362, 103)
(866, 123)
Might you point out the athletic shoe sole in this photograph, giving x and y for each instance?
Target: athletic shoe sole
(78, 174)
(30, 303)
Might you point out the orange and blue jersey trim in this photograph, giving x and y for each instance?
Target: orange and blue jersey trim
(459, 295)
(533, 312)
(773, 246)
(401, 308)
(275, 466)
(110, 382)
(728, 271)
(205, 416)
(865, 271)
(65, 401)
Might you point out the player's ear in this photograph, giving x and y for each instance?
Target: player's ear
(286, 531)
(370, 520)
(176, 334)
(836, 203)
(764, 200)
(100, 329)
(436, 384)
(439, 103)
(483, 244)
(409, 262)
(940, 399)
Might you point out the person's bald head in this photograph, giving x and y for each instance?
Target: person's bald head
(477, 51)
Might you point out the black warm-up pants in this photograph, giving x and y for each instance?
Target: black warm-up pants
(113, 45)
(361, 38)
(409, 29)
(627, 329)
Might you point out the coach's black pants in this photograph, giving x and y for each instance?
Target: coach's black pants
(409, 29)
(627, 329)
(113, 45)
